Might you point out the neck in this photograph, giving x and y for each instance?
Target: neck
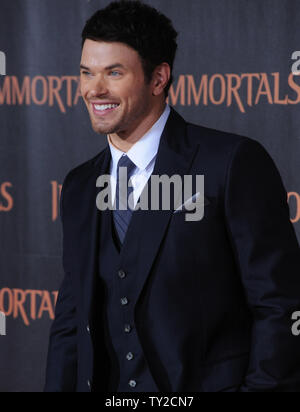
(125, 140)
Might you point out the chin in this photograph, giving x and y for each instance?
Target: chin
(102, 129)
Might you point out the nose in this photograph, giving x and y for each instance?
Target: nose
(98, 87)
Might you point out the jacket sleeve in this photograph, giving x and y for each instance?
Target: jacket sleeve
(268, 256)
(61, 374)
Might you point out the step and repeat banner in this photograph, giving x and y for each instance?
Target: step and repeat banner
(236, 70)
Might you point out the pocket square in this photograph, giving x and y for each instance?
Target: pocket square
(192, 200)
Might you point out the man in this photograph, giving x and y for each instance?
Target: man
(152, 302)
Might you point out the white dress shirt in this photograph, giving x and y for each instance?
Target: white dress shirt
(143, 154)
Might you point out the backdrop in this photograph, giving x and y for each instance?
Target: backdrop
(233, 72)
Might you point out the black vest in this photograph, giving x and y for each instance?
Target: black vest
(128, 370)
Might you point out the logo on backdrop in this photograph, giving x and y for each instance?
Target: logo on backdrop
(2, 324)
(28, 305)
(241, 90)
(56, 193)
(294, 203)
(2, 64)
(6, 199)
(62, 92)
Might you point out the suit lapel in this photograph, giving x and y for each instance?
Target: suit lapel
(90, 219)
(147, 228)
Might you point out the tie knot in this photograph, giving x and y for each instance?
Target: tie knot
(126, 162)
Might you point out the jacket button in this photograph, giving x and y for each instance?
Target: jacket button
(124, 301)
(88, 329)
(89, 384)
(129, 356)
(132, 384)
(122, 274)
(127, 328)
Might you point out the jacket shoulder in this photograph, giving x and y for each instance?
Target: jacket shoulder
(201, 134)
(222, 146)
(83, 168)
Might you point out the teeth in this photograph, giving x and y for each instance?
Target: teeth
(103, 107)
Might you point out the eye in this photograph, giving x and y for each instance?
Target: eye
(115, 73)
(85, 73)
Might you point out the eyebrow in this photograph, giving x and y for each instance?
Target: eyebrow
(111, 67)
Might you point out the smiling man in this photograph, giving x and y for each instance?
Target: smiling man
(151, 302)
(113, 87)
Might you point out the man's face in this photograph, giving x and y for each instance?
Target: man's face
(113, 87)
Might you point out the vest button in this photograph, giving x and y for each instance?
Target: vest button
(132, 384)
(129, 356)
(124, 301)
(122, 274)
(127, 328)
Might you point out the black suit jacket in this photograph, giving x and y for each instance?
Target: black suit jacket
(216, 296)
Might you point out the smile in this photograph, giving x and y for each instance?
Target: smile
(102, 109)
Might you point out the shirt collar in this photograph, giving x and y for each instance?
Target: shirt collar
(143, 152)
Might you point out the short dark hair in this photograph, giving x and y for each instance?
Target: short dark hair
(141, 27)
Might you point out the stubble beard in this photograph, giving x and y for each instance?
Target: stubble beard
(105, 129)
(122, 125)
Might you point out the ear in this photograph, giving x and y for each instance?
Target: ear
(160, 78)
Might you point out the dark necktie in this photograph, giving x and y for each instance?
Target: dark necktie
(122, 212)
